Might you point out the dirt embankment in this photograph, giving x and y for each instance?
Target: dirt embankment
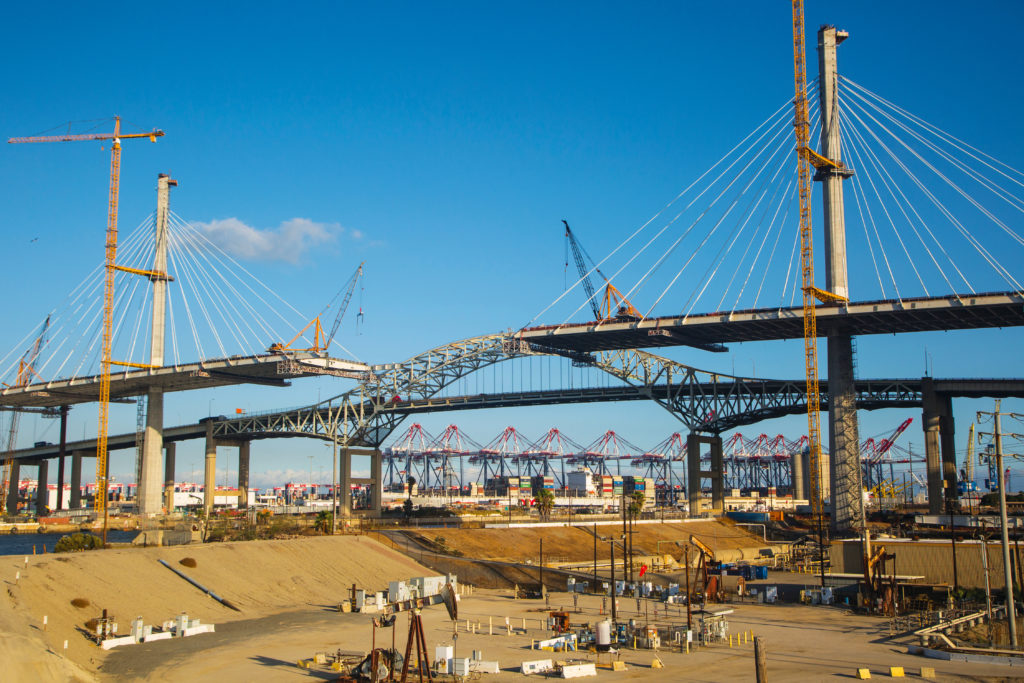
(260, 578)
(576, 544)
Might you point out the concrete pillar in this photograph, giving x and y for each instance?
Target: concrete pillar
(243, 475)
(151, 484)
(717, 475)
(694, 441)
(844, 438)
(12, 487)
(947, 441)
(61, 457)
(210, 478)
(345, 482)
(169, 455)
(376, 466)
(797, 474)
(75, 498)
(805, 461)
(42, 499)
(831, 148)
(693, 492)
(931, 423)
(845, 475)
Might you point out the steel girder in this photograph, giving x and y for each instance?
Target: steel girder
(703, 401)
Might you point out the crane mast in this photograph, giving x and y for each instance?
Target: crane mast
(801, 126)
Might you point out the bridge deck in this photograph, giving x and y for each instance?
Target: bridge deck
(955, 312)
(872, 394)
(273, 370)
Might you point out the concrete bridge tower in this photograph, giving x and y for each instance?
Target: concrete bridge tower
(151, 481)
(843, 431)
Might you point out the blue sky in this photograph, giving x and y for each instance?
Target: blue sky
(443, 143)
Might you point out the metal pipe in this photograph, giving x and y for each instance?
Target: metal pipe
(200, 586)
(764, 528)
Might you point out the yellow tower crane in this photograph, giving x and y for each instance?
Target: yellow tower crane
(100, 501)
(802, 127)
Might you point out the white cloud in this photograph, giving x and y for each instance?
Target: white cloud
(287, 242)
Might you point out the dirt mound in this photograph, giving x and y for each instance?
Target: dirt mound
(261, 578)
(576, 544)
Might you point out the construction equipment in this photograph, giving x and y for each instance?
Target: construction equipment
(613, 299)
(705, 585)
(100, 501)
(321, 341)
(802, 126)
(880, 594)
(26, 371)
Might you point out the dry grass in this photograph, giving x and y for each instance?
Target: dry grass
(81, 603)
(188, 562)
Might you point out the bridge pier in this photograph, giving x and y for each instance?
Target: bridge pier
(12, 488)
(42, 499)
(345, 482)
(796, 470)
(210, 474)
(243, 475)
(150, 488)
(844, 466)
(939, 446)
(169, 456)
(76, 480)
(695, 474)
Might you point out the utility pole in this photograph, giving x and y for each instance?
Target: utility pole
(1011, 614)
(611, 543)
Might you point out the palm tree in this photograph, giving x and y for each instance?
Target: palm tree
(545, 503)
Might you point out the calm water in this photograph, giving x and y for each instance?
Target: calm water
(21, 544)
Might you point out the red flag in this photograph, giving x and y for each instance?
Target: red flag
(643, 569)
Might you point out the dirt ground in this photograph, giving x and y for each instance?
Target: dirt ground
(803, 644)
(287, 590)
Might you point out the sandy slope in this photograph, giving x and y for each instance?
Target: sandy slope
(260, 578)
(573, 544)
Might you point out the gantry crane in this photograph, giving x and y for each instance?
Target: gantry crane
(613, 299)
(100, 501)
(26, 371)
(321, 341)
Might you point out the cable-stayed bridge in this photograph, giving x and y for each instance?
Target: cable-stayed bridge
(928, 258)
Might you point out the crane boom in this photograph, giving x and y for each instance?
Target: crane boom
(344, 305)
(614, 303)
(152, 135)
(26, 370)
(100, 500)
(581, 267)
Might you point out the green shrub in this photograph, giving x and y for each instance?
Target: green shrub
(77, 542)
